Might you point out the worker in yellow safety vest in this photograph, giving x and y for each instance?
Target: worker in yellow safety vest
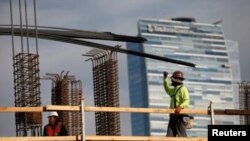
(179, 100)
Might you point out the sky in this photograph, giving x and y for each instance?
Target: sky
(117, 16)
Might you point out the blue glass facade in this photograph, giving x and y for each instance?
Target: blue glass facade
(233, 53)
(211, 79)
(138, 90)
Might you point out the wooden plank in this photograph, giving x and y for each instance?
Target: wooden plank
(122, 109)
(102, 138)
(142, 110)
(61, 138)
(142, 138)
(21, 109)
(62, 108)
(231, 112)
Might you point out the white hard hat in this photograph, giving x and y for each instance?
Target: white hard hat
(53, 113)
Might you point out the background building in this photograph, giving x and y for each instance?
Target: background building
(233, 53)
(211, 79)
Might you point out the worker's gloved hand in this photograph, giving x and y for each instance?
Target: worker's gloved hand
(165, 74)
(177, 110)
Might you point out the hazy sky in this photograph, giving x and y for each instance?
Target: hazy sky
(117, 16)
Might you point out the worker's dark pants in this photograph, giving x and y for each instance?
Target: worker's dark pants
(176, 127)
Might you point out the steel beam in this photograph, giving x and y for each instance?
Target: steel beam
(55, 37)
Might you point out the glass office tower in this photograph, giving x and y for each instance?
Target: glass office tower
(211, 79)
(233, 52)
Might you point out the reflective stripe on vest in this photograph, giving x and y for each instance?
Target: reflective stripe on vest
(55, 132)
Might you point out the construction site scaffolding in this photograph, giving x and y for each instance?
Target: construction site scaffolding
(208, 111)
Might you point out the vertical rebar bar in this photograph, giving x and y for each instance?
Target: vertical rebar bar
(12, 30)
(35, 18)
(13, 57)
(21, 25)
(27, 24)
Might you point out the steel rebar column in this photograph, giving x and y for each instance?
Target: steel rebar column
(106, 91)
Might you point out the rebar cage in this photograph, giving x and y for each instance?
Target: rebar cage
(27, 93)
(67, 91)
(244, 98)
(106, 90)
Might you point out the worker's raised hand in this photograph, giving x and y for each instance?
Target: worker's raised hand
(165, 74)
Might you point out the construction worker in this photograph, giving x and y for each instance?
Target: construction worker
(54, 127)
(179, 100)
